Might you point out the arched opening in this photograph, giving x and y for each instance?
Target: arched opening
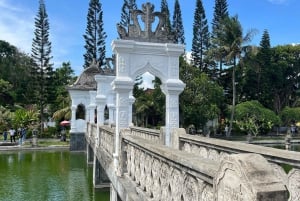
(149, 105)
(80, 112)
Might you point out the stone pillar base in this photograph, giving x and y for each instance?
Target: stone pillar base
(77, 142)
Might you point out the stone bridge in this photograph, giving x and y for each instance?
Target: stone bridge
(192, 168)
(166, 165)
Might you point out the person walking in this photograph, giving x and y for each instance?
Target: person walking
(23, 133)
(5, 135)
(12, 133)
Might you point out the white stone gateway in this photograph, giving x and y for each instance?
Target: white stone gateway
(139, 51)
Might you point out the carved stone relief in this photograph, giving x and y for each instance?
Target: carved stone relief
(203, 152)
(294, 184)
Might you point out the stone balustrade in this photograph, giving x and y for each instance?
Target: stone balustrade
(146, 133)
(157, 172)
(286, 164)
(163, 173)
(106, 139)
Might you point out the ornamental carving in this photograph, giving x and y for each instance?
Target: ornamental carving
(294, 184)
(147, 16)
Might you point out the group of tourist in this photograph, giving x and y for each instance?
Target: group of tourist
(13, 134)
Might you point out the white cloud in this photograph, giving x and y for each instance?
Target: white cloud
(188, 57)
(16, 25)
(279, 1)
(147, 81)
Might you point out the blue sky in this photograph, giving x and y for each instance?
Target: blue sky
(67, 20)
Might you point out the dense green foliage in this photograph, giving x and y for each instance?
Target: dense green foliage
(201, 99)
(94, 35)
(290, 115)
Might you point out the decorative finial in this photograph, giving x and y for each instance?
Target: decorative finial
(161, 34)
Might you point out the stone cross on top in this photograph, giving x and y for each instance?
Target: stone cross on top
(162, 34)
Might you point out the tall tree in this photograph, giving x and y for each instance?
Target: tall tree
(231, 40)
(258, 72)
(177, 24)
(165, 9)
(220, 13)
(200, 42)
(42, 69)
(128, 5)
(264, 66)
(94, 35)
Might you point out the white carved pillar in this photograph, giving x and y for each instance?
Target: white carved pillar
(122, 87)
(100, 98)
(112, 115)
(92, 107)
(131, 101)
(73, 118)
(113, 193)
(91, 112)
(100, 101)
(172, 89)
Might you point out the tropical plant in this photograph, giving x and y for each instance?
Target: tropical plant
(5, 118)
(25, 118)
(231, 41)
(253, 118)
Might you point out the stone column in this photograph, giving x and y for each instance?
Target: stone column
(113, 193)
(91, 114)
(122, 86)
(100, 101)
(100, 178)
(131, 101)
(90, 154)
(172, 89)
(73, 119)
(92, 107)
(112, 115)
(103, 83)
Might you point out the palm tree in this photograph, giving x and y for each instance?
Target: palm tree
(231, 42)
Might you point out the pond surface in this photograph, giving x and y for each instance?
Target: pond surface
(294, 147)
(47, 176)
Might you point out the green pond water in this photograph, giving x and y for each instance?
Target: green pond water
(47, 176)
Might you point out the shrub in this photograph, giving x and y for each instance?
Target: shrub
(252, 118)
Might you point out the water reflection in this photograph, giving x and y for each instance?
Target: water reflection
(47, 175)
